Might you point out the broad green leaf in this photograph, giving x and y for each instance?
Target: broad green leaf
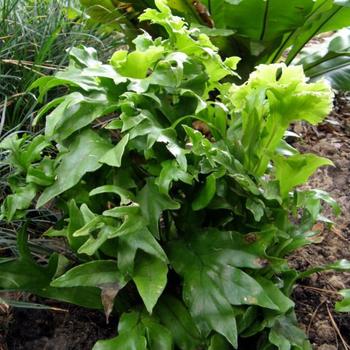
(208, 306)
(177, 319)
(295, 170)
(185, 43)
(137, 63)
(72, 76)
(82, 157)
(131, 224)
(95, 222)
(335, 70)
(330, 60)
(87, 297)
(246, 183)
(170, 172)
(127, 121)
(129, 244)
(92, 244)
(76, 112)
(150, 277)
(34, 149)
(212, 282)
(127, 341)
(158, 337)
(12, 143)
(100, 273)
(271, 190)
(138, 332)
(85, 56)
(24, 274)
(169, 72)
(200, 145)
(51, 232)
(123, 211)
(247, 319)
(91, 274)
(262, 21)
(285, 148)
(106, 14)
(19, 201)
(218, 117)
(256, 206)
(107, 4)
(286, 335)
(114, 156)
(24, 151)
(325, 17)
(311, 200)
(99, 229)
(106, 71)
(218, 342)
(214, 32)
(43, 111)
(133, 235)
(156, 133)
(281, 300)
(41, 174)
(206, 194)
(86, 213)
(153, 203)
(184, 7)
(343, 305)
(76, 221)
(125, 195)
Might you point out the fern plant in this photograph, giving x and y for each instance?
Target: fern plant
(176, 191)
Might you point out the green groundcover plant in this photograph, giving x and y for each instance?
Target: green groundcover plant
(176, 192)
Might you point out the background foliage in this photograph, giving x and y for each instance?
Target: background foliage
(260, 31)
(34, 39)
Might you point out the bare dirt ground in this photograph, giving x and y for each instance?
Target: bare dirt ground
(71, 328)
(315, 297)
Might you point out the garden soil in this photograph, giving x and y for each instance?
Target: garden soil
(77, 328)
(72, 328)
(315, 296)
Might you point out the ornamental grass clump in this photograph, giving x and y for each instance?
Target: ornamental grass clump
(176, 192)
